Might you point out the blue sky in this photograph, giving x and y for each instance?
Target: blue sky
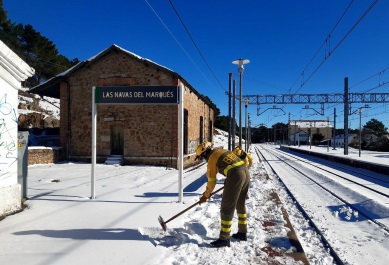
(280, 38)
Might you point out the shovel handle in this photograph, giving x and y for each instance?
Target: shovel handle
(193, 205)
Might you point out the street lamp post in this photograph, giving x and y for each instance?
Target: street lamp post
(240, 62)
(360, 125)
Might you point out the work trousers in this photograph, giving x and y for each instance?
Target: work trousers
(235, 191)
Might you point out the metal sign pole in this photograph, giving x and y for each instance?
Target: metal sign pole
(138, 95)
(181, 142)
(94, 122)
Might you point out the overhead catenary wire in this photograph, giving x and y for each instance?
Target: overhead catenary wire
(319, 49)
(194, 43)
(333, 50)
(369, 78)
(302, 75)
(381, 83)
(176, 40)
(340, 42)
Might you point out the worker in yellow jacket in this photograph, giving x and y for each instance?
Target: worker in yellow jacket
(235, 189)
(248, 159)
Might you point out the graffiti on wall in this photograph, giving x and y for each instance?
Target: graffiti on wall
(8, 136)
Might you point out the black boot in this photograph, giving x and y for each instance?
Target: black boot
(240, 236)
(220, 243)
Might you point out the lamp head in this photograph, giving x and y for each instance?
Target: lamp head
(241, 62)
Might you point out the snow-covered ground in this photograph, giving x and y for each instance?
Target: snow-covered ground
(369, 156)
(339, 200)
(61, 225)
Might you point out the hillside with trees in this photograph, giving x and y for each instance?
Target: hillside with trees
(36, 50)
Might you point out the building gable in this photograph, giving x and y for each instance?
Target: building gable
(51, 87)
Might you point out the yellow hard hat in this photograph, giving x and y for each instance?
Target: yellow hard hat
(202, 147)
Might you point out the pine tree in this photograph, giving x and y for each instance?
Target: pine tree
(36, 50)
(376, 127)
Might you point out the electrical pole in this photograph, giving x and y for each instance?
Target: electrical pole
(346, 110)
(240, 62)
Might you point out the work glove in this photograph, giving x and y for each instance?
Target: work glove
(203, 199)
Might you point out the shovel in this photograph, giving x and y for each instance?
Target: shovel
(163, 223)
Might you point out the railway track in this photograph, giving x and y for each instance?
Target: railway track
(326, 182)
(359, 176)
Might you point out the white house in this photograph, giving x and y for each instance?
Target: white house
(339, 139)
(299, 138)
(13, 70)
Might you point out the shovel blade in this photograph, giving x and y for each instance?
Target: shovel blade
(162, 222)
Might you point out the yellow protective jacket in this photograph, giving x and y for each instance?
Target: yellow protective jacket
(219, 161)
(248, 159)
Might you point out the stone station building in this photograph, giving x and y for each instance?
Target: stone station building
(139, 133)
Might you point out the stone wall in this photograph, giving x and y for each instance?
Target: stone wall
(198, 109)
(44, 155)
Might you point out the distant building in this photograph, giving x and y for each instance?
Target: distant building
(309, 127)
(140, 134)
(13, 71)
(299, 138)
(339, 139)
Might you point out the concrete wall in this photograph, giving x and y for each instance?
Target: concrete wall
(13, 70)
(8, 134)
(10, 191)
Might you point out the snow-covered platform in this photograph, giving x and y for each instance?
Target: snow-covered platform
(370, 160)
